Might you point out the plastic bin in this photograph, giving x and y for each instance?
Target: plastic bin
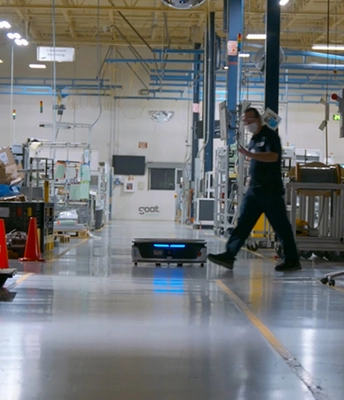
(98, 218)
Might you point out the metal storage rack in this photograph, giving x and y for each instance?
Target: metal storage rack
(320, 206)
(39, 169)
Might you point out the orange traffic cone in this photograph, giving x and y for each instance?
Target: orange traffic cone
(32, 247)
(3, 246)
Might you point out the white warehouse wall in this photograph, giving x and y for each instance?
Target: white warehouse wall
(121, 124)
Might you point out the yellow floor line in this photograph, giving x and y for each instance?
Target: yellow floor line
(253, 252)
(276, 344)
(67, 250)
(19, 281)
(292, 362)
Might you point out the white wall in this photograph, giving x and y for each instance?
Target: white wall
(143, 204)
(301, 129)
(119, 125)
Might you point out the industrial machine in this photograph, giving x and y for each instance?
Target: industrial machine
(170, 251)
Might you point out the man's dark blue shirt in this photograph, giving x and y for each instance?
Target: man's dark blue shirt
(266, 177)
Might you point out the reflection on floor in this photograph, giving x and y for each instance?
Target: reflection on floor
(88, 324)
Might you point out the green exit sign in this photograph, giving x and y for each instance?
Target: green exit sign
(336, 117)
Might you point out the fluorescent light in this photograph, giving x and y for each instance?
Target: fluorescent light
(21, 42)
(256, 36)
(283, 2)
(38, 66)
(4, 25)
(327, 47)
(12, 35)
(244, 55)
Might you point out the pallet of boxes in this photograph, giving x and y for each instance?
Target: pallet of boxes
(67, 225)
(10, 179)
(9, 172)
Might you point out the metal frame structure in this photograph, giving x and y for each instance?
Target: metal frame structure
(222, 202)
(325, 230)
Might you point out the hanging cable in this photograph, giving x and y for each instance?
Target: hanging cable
(98, 68)
(327, 81)
(55, 129)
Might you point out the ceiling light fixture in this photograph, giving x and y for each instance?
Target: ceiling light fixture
(244, 55)
(160, 116)
(283, 2)
(38, 66)
(328, 47)
(12, 35)
(21, 42)
(183, 4)
(4, 25)
(256, 36)
(1, 61)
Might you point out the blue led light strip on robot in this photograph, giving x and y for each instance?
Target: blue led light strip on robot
(175, 246)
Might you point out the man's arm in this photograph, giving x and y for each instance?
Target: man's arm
(264, 157)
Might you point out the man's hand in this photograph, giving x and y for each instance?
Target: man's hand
(263, 157)
(245, 152)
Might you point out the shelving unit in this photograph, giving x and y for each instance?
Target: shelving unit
(66, 167)
(100, 183)
(39, 170)
(222, 212)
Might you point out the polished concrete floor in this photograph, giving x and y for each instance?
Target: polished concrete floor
(87, 324)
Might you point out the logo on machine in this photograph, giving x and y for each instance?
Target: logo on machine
(148, 210)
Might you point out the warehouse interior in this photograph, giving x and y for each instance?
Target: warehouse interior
(120, 172)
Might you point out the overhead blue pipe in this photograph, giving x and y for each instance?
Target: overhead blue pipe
(289, 52)
(178, 51)
(152, 98)
(170, 71)
(149, 60)
(172, 78)
(313, 66)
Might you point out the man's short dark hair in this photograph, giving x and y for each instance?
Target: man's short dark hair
(253, 110)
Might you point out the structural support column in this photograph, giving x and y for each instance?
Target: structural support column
(195, 119)
(209, 100)
(272, 54)
(234, 8)
(195, 107)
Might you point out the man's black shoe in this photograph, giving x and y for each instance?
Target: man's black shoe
(223, 259)
(288, 266)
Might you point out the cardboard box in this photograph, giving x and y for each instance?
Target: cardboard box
(6, 156)
(8, 168)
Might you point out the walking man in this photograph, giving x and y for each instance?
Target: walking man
(264, 195)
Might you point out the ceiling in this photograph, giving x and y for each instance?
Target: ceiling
(150, 22)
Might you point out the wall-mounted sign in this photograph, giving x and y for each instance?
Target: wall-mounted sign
(143, 145)
(195, 107)
(232, 48)
(58, 54)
